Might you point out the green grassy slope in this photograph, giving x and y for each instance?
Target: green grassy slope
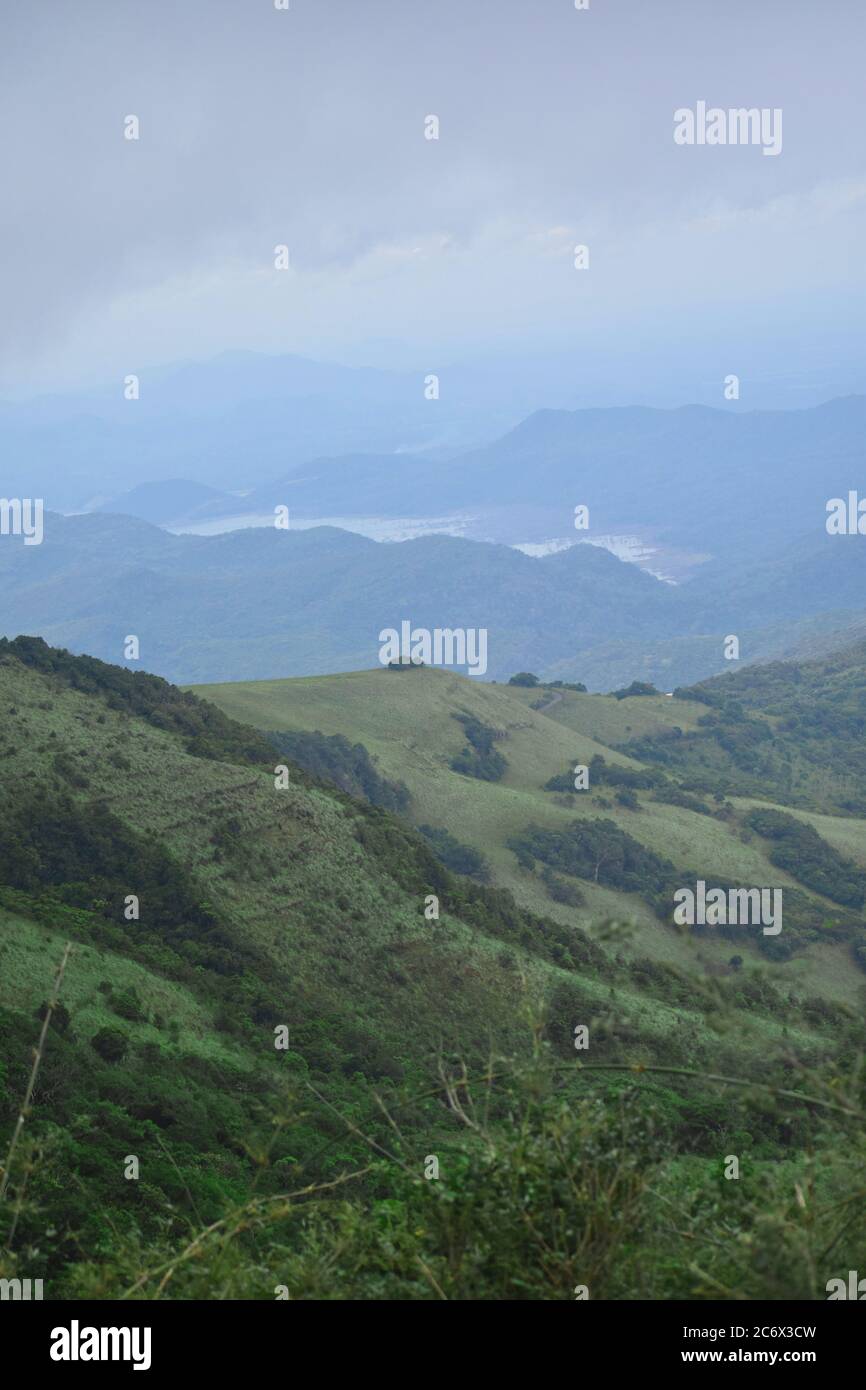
(326, 932)
(299, 906)
(407, 722)
(408, 726)
(229, 828)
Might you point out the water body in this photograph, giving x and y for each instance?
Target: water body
(386, 529)
(377, 528)
(631, 549)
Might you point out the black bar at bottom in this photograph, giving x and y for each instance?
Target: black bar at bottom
(171, 1338)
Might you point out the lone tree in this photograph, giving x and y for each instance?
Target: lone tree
(636, 688)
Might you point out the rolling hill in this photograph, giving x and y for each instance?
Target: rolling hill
(265, 602)
(413, 726)
(213, 899)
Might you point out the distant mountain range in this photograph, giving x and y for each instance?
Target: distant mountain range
(208, 442)
(264, 602)
(239, 420)
(731, 504)
(675, 479)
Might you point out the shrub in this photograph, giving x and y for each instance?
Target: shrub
(110, 1044)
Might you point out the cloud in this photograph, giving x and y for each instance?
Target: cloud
(306, 127)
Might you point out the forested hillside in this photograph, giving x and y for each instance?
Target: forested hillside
(790, 730)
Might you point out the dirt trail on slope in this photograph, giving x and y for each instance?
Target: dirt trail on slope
(554, 700)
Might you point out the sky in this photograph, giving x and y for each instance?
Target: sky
(305, 127)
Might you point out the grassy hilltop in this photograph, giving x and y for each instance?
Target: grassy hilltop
(411, 724)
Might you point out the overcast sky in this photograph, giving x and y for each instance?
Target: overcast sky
(260, 127)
